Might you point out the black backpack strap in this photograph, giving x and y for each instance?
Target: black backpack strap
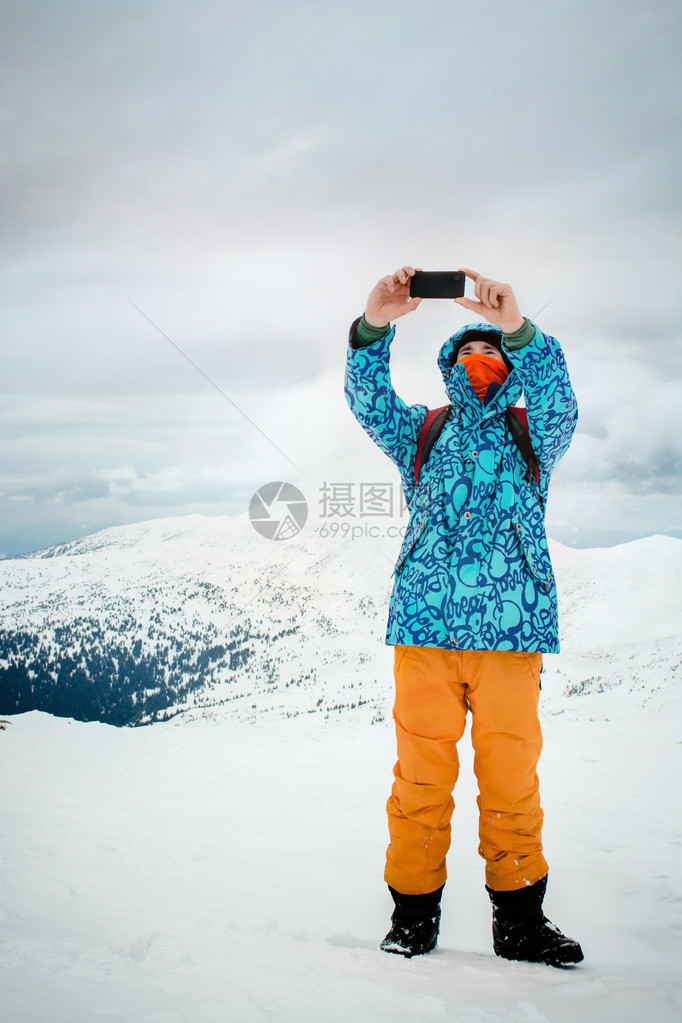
(430, 432)
(517, 422)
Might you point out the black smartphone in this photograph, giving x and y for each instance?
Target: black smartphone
(437, 284)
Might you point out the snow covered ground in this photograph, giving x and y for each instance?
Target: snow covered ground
(209, 871)
(227, 865)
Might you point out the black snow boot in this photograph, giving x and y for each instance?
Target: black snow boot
(521, 931)
(414, 924)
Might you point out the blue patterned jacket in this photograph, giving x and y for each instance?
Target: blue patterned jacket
(474, 571)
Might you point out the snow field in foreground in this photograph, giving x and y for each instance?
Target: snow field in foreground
(205, 872)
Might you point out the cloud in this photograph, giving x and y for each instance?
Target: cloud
(244, 173)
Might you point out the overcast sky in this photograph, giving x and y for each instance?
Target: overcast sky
(243, 172)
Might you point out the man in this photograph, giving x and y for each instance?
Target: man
(473, 607)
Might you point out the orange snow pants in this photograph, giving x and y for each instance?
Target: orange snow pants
(434, 690)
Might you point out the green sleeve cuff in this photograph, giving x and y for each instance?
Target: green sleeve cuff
(366, 334)
(520, 338)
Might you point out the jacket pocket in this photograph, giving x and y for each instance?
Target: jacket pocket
(535, 553)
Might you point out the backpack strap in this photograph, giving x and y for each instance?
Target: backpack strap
(517, 424)
(430, 432)
(517, 421)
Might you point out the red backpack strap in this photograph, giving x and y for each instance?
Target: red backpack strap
(518, 417)
(521, 414)
(428, 436)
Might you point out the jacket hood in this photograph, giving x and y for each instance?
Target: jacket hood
(455, 381)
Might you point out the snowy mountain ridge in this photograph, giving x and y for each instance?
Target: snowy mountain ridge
(229, 866)
(201, 615)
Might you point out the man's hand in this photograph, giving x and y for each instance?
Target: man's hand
(391, 298)
(497, 302)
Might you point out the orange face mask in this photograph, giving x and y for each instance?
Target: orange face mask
(482, 371)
